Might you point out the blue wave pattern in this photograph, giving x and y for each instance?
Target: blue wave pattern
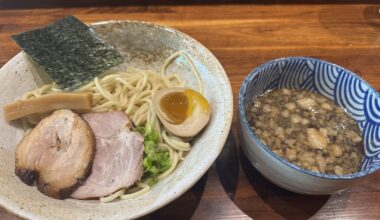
(265, 81)
(360, 101)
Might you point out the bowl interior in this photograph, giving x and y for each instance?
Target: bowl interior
(144, 46)
(345, 88)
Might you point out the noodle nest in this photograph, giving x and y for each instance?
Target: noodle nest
(131, 91)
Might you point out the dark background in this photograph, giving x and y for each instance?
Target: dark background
(18, 4)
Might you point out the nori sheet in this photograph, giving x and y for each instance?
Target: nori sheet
(69, 51)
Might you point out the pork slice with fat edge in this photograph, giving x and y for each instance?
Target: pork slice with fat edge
(118, 157)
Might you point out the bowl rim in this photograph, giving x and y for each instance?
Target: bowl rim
(211, 158)
(244, 121)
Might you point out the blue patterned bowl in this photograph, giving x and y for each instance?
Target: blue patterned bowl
(344, 87)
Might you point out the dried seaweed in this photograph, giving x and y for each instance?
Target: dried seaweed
(69, 51)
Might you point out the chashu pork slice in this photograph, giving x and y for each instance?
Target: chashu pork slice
(118, 157)
(57, 153)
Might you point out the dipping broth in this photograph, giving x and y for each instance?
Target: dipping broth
(309, 130)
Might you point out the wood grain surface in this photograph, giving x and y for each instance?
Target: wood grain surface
(242, 37)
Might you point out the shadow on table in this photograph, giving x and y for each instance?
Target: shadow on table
(183, 207)
(227, 166)
(288, 204)
(258, 195)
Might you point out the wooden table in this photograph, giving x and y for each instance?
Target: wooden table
(242, 37)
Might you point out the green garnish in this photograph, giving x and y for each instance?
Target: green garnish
(156, 161)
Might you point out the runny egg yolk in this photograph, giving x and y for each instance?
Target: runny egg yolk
(178, 106)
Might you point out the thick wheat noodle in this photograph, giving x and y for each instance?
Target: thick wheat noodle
(180, 155)
(113, 196)
(192, 67)
(104, 93)
(172, 167)
(175, 142)
(132, 91)
(144, 188)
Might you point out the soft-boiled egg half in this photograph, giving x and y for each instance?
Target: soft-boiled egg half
(183, 111)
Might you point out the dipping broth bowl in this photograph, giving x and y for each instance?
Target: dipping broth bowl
(345, 88)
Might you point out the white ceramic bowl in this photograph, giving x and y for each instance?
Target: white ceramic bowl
(144, 46)
(342, 86)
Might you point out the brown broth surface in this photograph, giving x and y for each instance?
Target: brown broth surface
(308, 130)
